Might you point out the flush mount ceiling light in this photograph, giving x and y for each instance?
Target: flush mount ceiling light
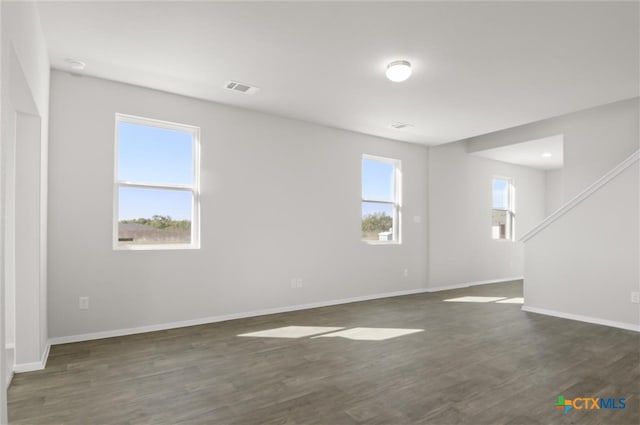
(547, 155)
(398, 71)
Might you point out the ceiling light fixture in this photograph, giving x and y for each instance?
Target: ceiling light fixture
(398, 71)
(547, 155)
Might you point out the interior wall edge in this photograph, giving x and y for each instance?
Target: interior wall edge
(30, 367)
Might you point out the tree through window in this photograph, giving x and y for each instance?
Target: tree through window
(156, 186)
(380, 199)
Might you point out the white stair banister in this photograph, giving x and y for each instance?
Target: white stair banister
(582, 195)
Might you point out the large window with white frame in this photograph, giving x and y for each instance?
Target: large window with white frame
(381, 189)
(503, 209)
(156, 190)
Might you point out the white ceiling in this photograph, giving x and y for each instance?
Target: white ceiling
(529, 153)
(478, 67)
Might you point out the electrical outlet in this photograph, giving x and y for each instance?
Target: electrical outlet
(296, 283)
(406, 273)
(417, 219)
(635, 297)
(83, 303)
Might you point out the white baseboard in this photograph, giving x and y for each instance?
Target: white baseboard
(9, 379)
(255, 313)
(580, 318)
(10, 353)
(223, 318)
(468, 284)
(30, 367)
(45, 355)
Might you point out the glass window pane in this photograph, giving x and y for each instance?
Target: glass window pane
(499, 224)
(154, 216)
(377, 180)
(501, 193)
(502, 224)
(148, 154)
(377, 221)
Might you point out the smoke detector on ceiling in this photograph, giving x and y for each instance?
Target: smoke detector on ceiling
(401, 125)
(76, 66)
(243, 88)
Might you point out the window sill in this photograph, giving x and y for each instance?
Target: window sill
(167, 247)
(381, 243)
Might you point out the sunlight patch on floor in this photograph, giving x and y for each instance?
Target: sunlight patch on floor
(292, 332)
(370, 334)
(517, 300)
(474, 299)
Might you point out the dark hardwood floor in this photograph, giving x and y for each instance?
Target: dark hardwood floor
(473, 363)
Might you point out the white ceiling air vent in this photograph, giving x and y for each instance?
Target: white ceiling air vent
(401, 125)
(241, 87)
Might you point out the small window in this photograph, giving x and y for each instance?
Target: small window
(503, 211)
(380, 199)
(156, 197)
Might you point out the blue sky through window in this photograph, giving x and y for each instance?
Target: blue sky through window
(500, 193)
(148, 154)
(137, 202)
(377, 183)
(371, 208)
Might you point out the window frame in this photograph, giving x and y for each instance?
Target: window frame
(510, 210)
(396, 203)
(194, 189)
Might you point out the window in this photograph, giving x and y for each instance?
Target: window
(380, 199)
(156, 193)
(503, 211)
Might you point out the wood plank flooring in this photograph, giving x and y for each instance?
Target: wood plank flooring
(474, 363)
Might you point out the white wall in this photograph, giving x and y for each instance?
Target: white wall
(28, 290)
(585, 264)
(554, 191)
(461, 248)
(5, 364)
(280, 199)
(595, 140)
(24, 86)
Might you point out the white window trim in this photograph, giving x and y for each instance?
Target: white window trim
(396, 203)
(194, 189)
(511, 208)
